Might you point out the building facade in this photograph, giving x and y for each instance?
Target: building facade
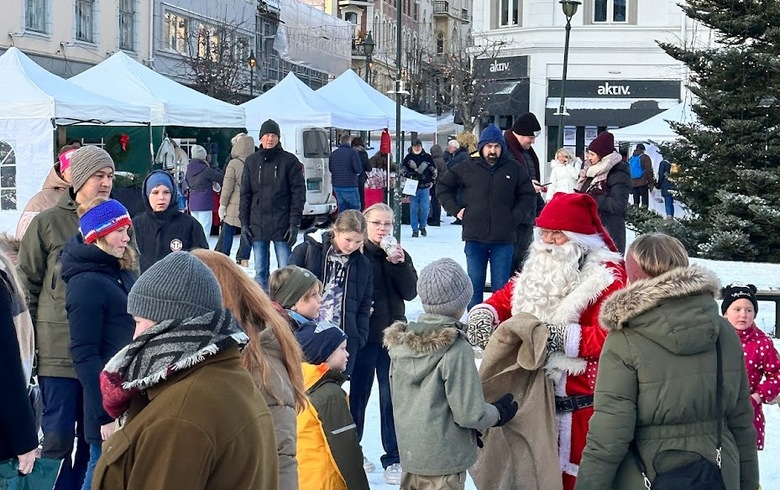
(68, 36)
(617, 73)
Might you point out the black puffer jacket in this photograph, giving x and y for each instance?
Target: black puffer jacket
(162, 232)
(273, 193)
(420, 168)
(96, 302)
(359, 289)
(613, 201)
(393, 283)
(496, 198)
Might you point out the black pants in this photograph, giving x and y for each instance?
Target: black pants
(641, 193)
(435, 217)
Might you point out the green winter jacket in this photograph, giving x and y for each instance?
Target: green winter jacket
(437, 396)
(40, 271)
(657, 383)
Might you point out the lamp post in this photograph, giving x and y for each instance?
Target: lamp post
(368, 50)
(252, 63)
(569, 9)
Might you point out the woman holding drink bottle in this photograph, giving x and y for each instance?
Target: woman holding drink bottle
(395, 280)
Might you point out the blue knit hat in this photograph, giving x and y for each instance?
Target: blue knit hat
(319, 340)
(491, 134)
(103, 219)
(157, 178)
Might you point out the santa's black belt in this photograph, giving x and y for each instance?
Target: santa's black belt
(572, 403)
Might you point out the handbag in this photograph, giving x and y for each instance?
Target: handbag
(696, 472)
(42, 477)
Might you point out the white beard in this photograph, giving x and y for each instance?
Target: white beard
(549, 274)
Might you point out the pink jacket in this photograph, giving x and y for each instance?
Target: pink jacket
(763, 369)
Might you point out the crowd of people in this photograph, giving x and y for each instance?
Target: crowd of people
(163, 364)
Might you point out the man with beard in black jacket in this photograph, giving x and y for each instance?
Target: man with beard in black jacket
(273, 193)
(497, 197)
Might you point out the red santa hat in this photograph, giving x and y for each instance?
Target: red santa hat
(577, 213)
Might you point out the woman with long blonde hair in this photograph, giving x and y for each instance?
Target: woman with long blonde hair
(273, 355)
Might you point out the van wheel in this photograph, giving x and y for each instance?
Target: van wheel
(307, 222)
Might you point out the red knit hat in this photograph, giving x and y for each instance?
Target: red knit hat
(577, 213)
(603, 145)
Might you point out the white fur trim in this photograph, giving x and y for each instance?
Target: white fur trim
(564, 439)
(558, 364)
(573, 337)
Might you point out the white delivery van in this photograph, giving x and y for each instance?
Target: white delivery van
(311, 145)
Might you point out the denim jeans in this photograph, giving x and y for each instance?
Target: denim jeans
(228, 232)
(419, 207)
(262, 251)
(669, 205)
(94, 454)
(373, 357)
(478, 254)
(204, 218)
(347, 198)
(62, 422)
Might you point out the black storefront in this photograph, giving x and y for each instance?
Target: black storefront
(598, 105)
(503, 91)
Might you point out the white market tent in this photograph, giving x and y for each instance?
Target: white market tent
(657, 128)
(171, 103)
(32, 102)
(352, 93)
(293, 103)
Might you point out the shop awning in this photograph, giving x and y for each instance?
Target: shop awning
(614, 104)
(509, 97)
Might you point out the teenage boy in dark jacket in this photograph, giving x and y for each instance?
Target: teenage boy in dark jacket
(497, 198)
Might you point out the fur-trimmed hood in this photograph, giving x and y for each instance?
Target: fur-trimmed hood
(426, 341)
(676, 309)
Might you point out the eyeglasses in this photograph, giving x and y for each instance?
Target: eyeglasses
(381, 224)
(554, 234)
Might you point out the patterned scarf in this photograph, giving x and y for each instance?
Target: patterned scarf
(163, 350)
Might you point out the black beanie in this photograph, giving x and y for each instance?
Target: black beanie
(735, 291)
(526, 125)
(319, 340)
(270, 126)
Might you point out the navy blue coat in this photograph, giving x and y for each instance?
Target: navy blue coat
(96, 302)
(356, 304)
(160, 233)
(344, 165)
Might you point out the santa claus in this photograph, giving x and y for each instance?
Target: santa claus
(572, 267)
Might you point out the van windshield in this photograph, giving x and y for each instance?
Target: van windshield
(315, 144)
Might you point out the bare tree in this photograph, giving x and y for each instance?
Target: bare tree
(459, 86)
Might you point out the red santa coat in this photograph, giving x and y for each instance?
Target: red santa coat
(763, 370)
(573, 371)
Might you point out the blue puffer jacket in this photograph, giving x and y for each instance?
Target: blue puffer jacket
(344, 165)
(96, 302)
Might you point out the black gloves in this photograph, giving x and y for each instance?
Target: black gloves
(557, 338)
(246, 234)
(507, 408)
(291, 236)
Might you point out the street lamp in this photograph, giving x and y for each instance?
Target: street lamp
(252, 63)
(569, 9)
(368, 49)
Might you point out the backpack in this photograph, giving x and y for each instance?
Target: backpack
(636, 167)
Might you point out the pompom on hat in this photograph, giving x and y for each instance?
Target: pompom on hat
(735, 291)
(103, 219)
(577, 213)
(603, 144)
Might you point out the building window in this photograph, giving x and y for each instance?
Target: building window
(439, 42)
(127, 25)
(509, 12)
(84, 20)
(610, 11)
(35, 16)
(176, 32)
(7, 176)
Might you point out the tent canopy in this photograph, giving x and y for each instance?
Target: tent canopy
(28, 91)
(657, 128)
(353, 94)
(293, 103)
(171, 103)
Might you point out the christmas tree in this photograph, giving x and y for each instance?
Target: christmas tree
(728, 174)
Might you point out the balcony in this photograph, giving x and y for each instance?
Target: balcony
(441, 8)
(465, 16)
(358, 50)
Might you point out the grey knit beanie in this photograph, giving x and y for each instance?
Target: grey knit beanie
(86, 161)
(197, 152)
(177, 287)
(444, 288)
